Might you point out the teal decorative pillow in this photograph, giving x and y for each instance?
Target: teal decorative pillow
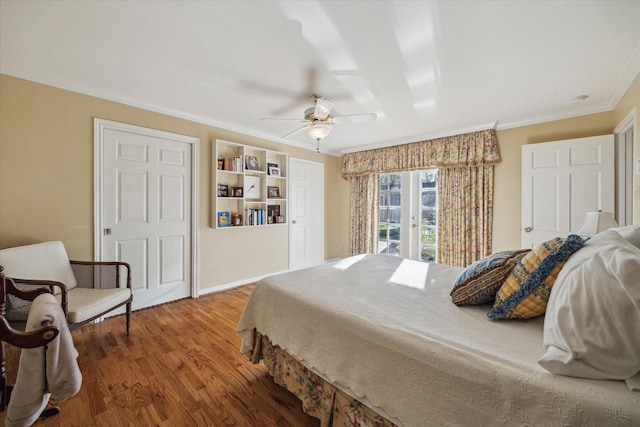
(526, 291)
(479, 283)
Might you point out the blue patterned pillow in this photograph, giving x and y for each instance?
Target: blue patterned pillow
(479, 283)
(526, 291)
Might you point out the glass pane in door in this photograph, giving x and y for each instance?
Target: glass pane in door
(390, 214)
(428, 229)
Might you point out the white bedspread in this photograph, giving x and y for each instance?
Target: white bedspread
(385, 330)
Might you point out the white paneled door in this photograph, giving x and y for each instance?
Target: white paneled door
(561, 182)
(306, 228)
(145, 214)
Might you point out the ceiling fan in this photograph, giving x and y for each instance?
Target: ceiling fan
(319, 121)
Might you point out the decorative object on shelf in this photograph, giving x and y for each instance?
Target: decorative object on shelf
(236, 219)
(273, 192)
(251, 163)
(274, 171)
(223, 190)
(236, 192)
(224, 219)
(251, 187)
(595, 222)
(273, 212)
(220, 164)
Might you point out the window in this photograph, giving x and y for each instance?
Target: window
(405, 198)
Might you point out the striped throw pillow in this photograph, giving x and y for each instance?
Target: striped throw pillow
(526, 291)
(479, 283)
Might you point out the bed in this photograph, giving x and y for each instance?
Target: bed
(376, 340)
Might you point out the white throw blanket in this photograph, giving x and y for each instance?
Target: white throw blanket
(48, 371)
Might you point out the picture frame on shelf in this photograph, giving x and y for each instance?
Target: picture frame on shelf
(224, 219)
(273, 192)
(252, 187)
(251, 163)
(237, 191)
(271, 164)
(223, 190)
(274, 171)
(220, 164)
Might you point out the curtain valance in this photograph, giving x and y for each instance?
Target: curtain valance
(466, 150)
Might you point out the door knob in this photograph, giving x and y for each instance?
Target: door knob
(293, 222)
(528, 229)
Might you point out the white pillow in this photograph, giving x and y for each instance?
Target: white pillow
(592, 323)
(630, 233)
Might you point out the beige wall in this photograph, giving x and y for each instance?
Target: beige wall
(46, 177)
(506, 229)
(46, 181)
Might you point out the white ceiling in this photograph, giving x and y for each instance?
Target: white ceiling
(427, 69)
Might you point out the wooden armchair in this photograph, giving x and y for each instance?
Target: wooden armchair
(86, 290)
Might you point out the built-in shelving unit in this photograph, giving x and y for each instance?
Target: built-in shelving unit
(249, 186)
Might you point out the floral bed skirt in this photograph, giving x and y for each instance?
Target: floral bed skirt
(320, 398)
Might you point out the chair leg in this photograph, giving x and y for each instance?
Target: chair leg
(128, 317)
(50, 411)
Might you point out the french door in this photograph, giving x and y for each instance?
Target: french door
(409, 214)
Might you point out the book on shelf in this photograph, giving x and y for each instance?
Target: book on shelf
(234, 164)
(255, 216)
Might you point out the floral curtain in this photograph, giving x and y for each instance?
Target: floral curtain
(365, 202)
(465, 170)
(465, 215)
(466, 150)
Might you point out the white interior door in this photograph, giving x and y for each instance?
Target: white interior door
(306, 228)
(625, 167)
(561, 182)
(146, 209)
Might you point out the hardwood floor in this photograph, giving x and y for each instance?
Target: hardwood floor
(179, 367)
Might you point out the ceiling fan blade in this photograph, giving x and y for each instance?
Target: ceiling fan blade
(312, 75)
(282, 119)
(270, 90)
(295, 131)
(323, 108)
(355, 118)
(290, 106)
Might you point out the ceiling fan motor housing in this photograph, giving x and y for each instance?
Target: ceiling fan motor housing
(309, 114)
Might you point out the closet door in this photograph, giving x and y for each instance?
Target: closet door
(306, 238)
(561, 182)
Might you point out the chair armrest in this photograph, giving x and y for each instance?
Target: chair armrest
(31, 339)
(108, 263)
(27, 294)
(31, 294)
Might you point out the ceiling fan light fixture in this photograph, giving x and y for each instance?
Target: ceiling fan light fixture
(318, 130)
